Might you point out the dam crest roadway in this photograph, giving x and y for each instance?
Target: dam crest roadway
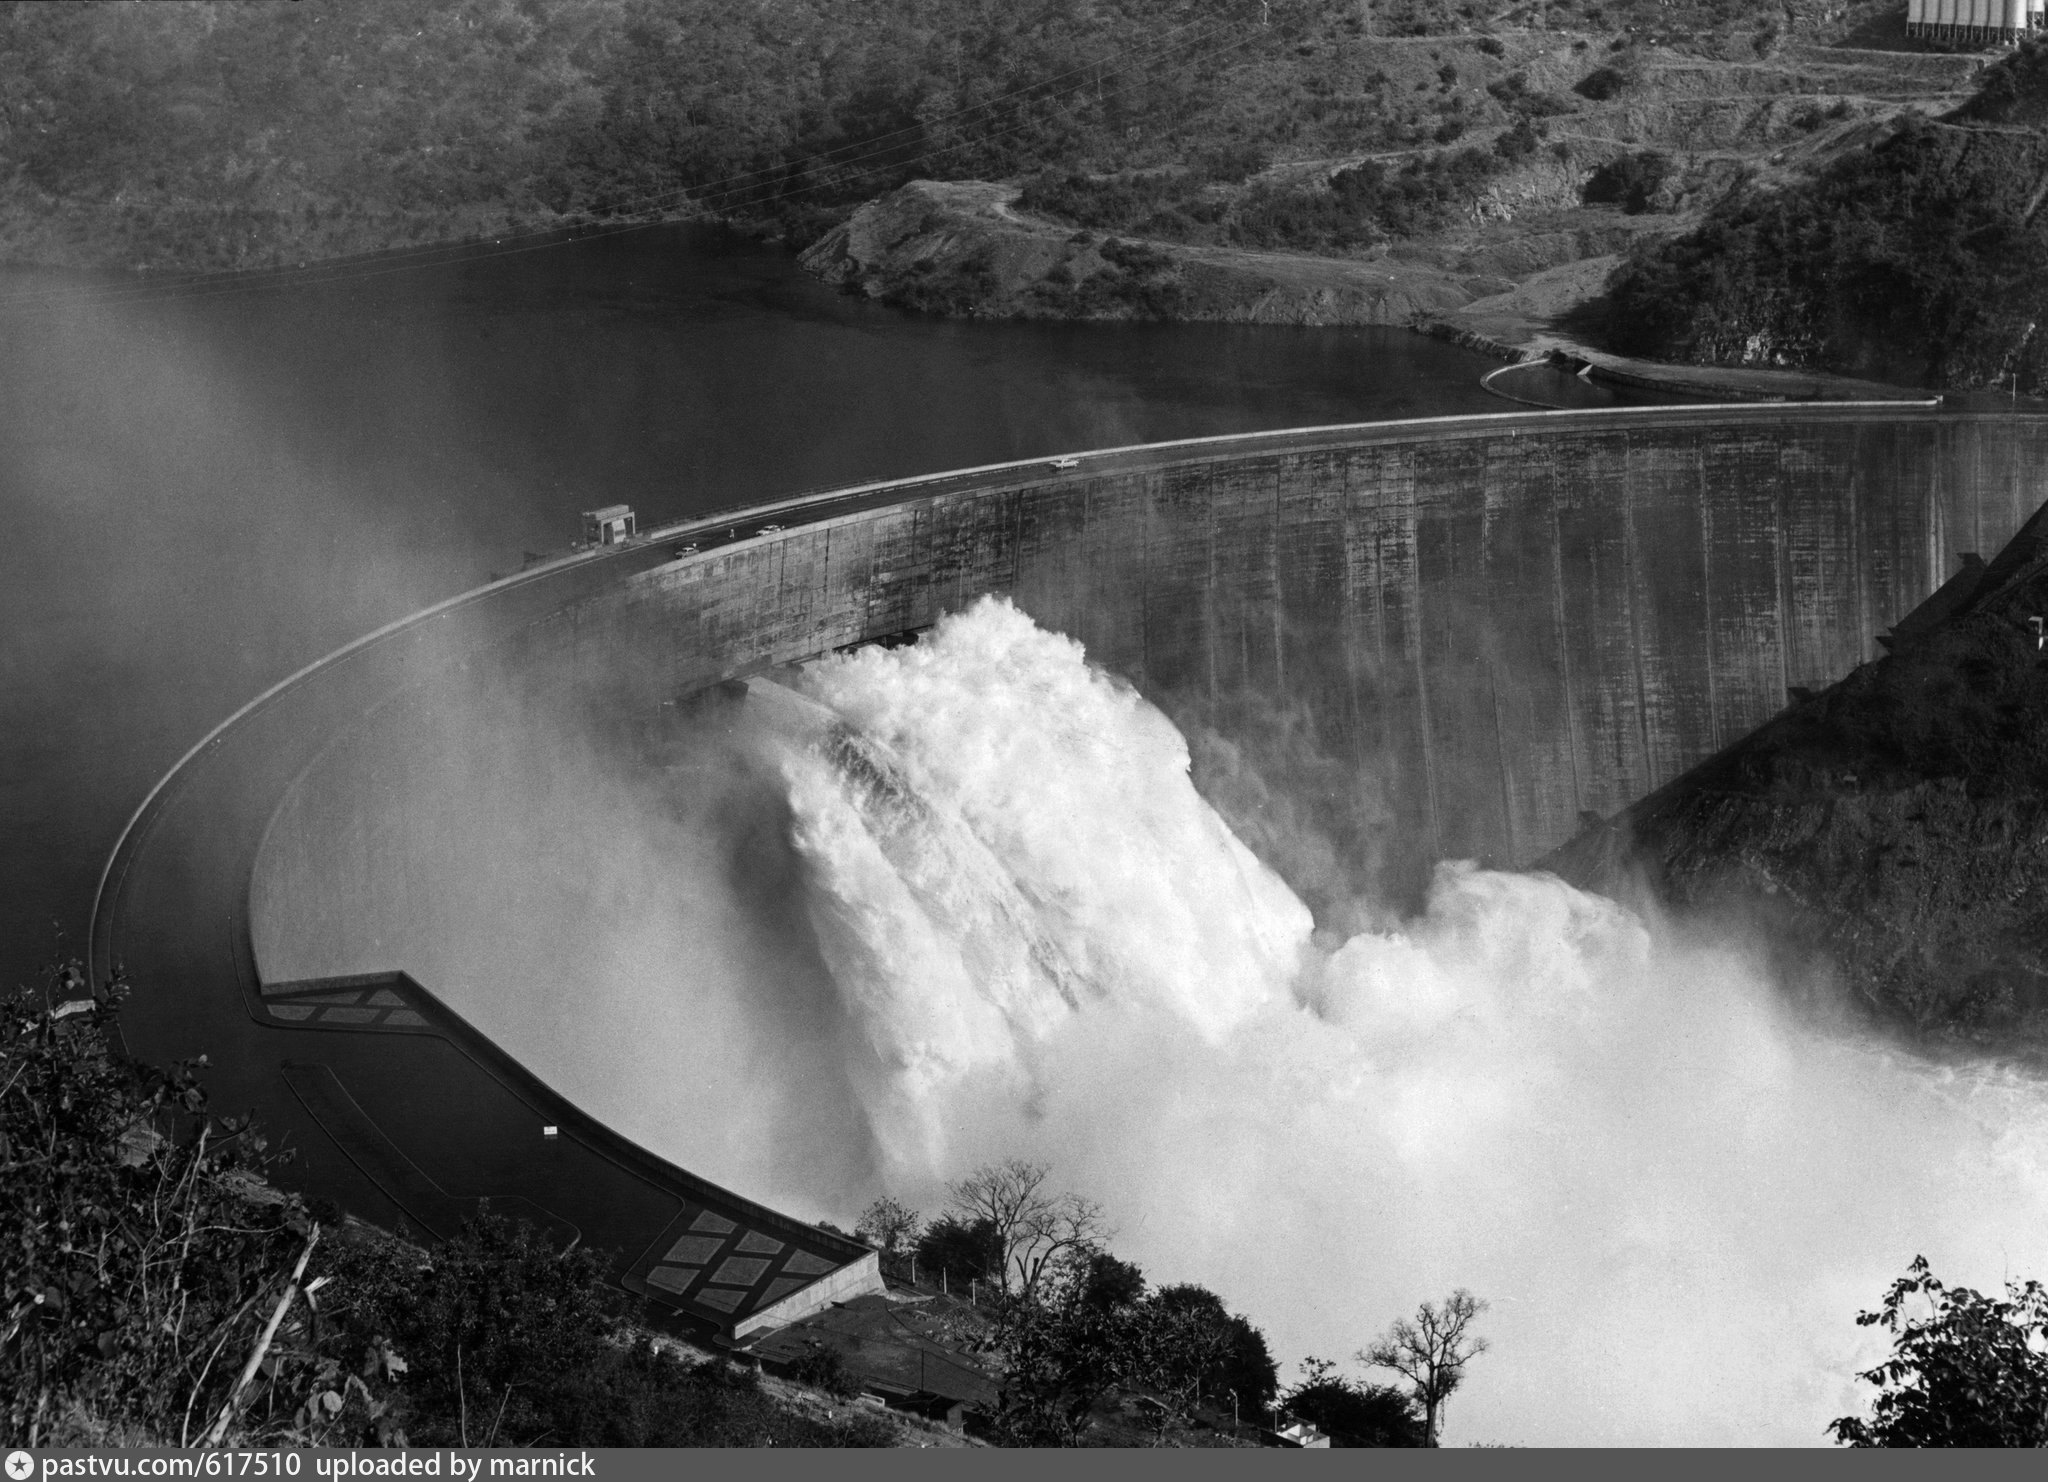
(1504, 621)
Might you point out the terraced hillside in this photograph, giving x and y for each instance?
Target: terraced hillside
(1516, 170)
(1915, 259)
(1385, 161)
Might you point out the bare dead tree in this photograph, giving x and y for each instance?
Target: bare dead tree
(1037, 1229)
(1431, 1352)
(1072, 1229)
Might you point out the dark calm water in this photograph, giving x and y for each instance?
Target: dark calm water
(204, 493)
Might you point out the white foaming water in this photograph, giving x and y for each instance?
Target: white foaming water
(1675, 1198)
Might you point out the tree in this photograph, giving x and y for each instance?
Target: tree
(959, 1251)
(1059, 1354)
(889, 1227)
(1088, 1328)
(1174, 1347)
(1109, 1282)
(1630, 181)
(1036, 1229)
(1353, 1414)
(1969, 1373)
(1431, 1353)
(1243, 1363)
(503, 1331)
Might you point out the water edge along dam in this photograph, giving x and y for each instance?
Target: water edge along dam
(1507, 620)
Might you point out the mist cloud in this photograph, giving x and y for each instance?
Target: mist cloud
(1676, 1195)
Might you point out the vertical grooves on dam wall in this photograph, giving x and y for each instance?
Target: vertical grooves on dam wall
(1449, 636)
(1510, 625)
(1446, 638)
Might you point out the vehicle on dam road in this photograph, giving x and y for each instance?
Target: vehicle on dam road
(1064, 463)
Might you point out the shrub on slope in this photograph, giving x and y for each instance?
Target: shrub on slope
(2013, 90)
(143, 1254)
(1923, 258)
(137, 1246)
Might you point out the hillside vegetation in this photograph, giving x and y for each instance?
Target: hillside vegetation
(1480, 174)
(1770, 180)
(1888, 827)
(190, 135)
(1917, 257)
(157, 1290)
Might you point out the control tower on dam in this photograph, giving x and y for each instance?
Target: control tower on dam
(1448, 638)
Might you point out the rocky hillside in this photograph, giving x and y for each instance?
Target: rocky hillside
(1893, 827)
(1509, 171)
(963, 248)
(1915, 257)
(1426, 162)
(1296, 159)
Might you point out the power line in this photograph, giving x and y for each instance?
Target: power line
(711, 197)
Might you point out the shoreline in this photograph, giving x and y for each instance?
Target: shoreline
(1300, 289)
(960, 249)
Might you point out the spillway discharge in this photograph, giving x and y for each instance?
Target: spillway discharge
(1676, 1197)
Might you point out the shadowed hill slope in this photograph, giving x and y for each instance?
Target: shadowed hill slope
(1915, 255)
(1894, 824)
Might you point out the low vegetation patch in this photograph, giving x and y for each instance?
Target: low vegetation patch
(1630, 181)
(137, 1242)
(157, 1290)
(195, 137)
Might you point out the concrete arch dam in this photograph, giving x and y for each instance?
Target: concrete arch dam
(1444, 638)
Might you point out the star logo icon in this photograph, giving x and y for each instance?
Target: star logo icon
(20, 1466)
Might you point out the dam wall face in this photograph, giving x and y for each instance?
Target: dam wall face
(503, 901)
(1438, 640)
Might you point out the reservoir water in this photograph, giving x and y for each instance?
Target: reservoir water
(206, 490)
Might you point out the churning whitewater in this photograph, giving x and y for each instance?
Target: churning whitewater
(1676, 1198)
